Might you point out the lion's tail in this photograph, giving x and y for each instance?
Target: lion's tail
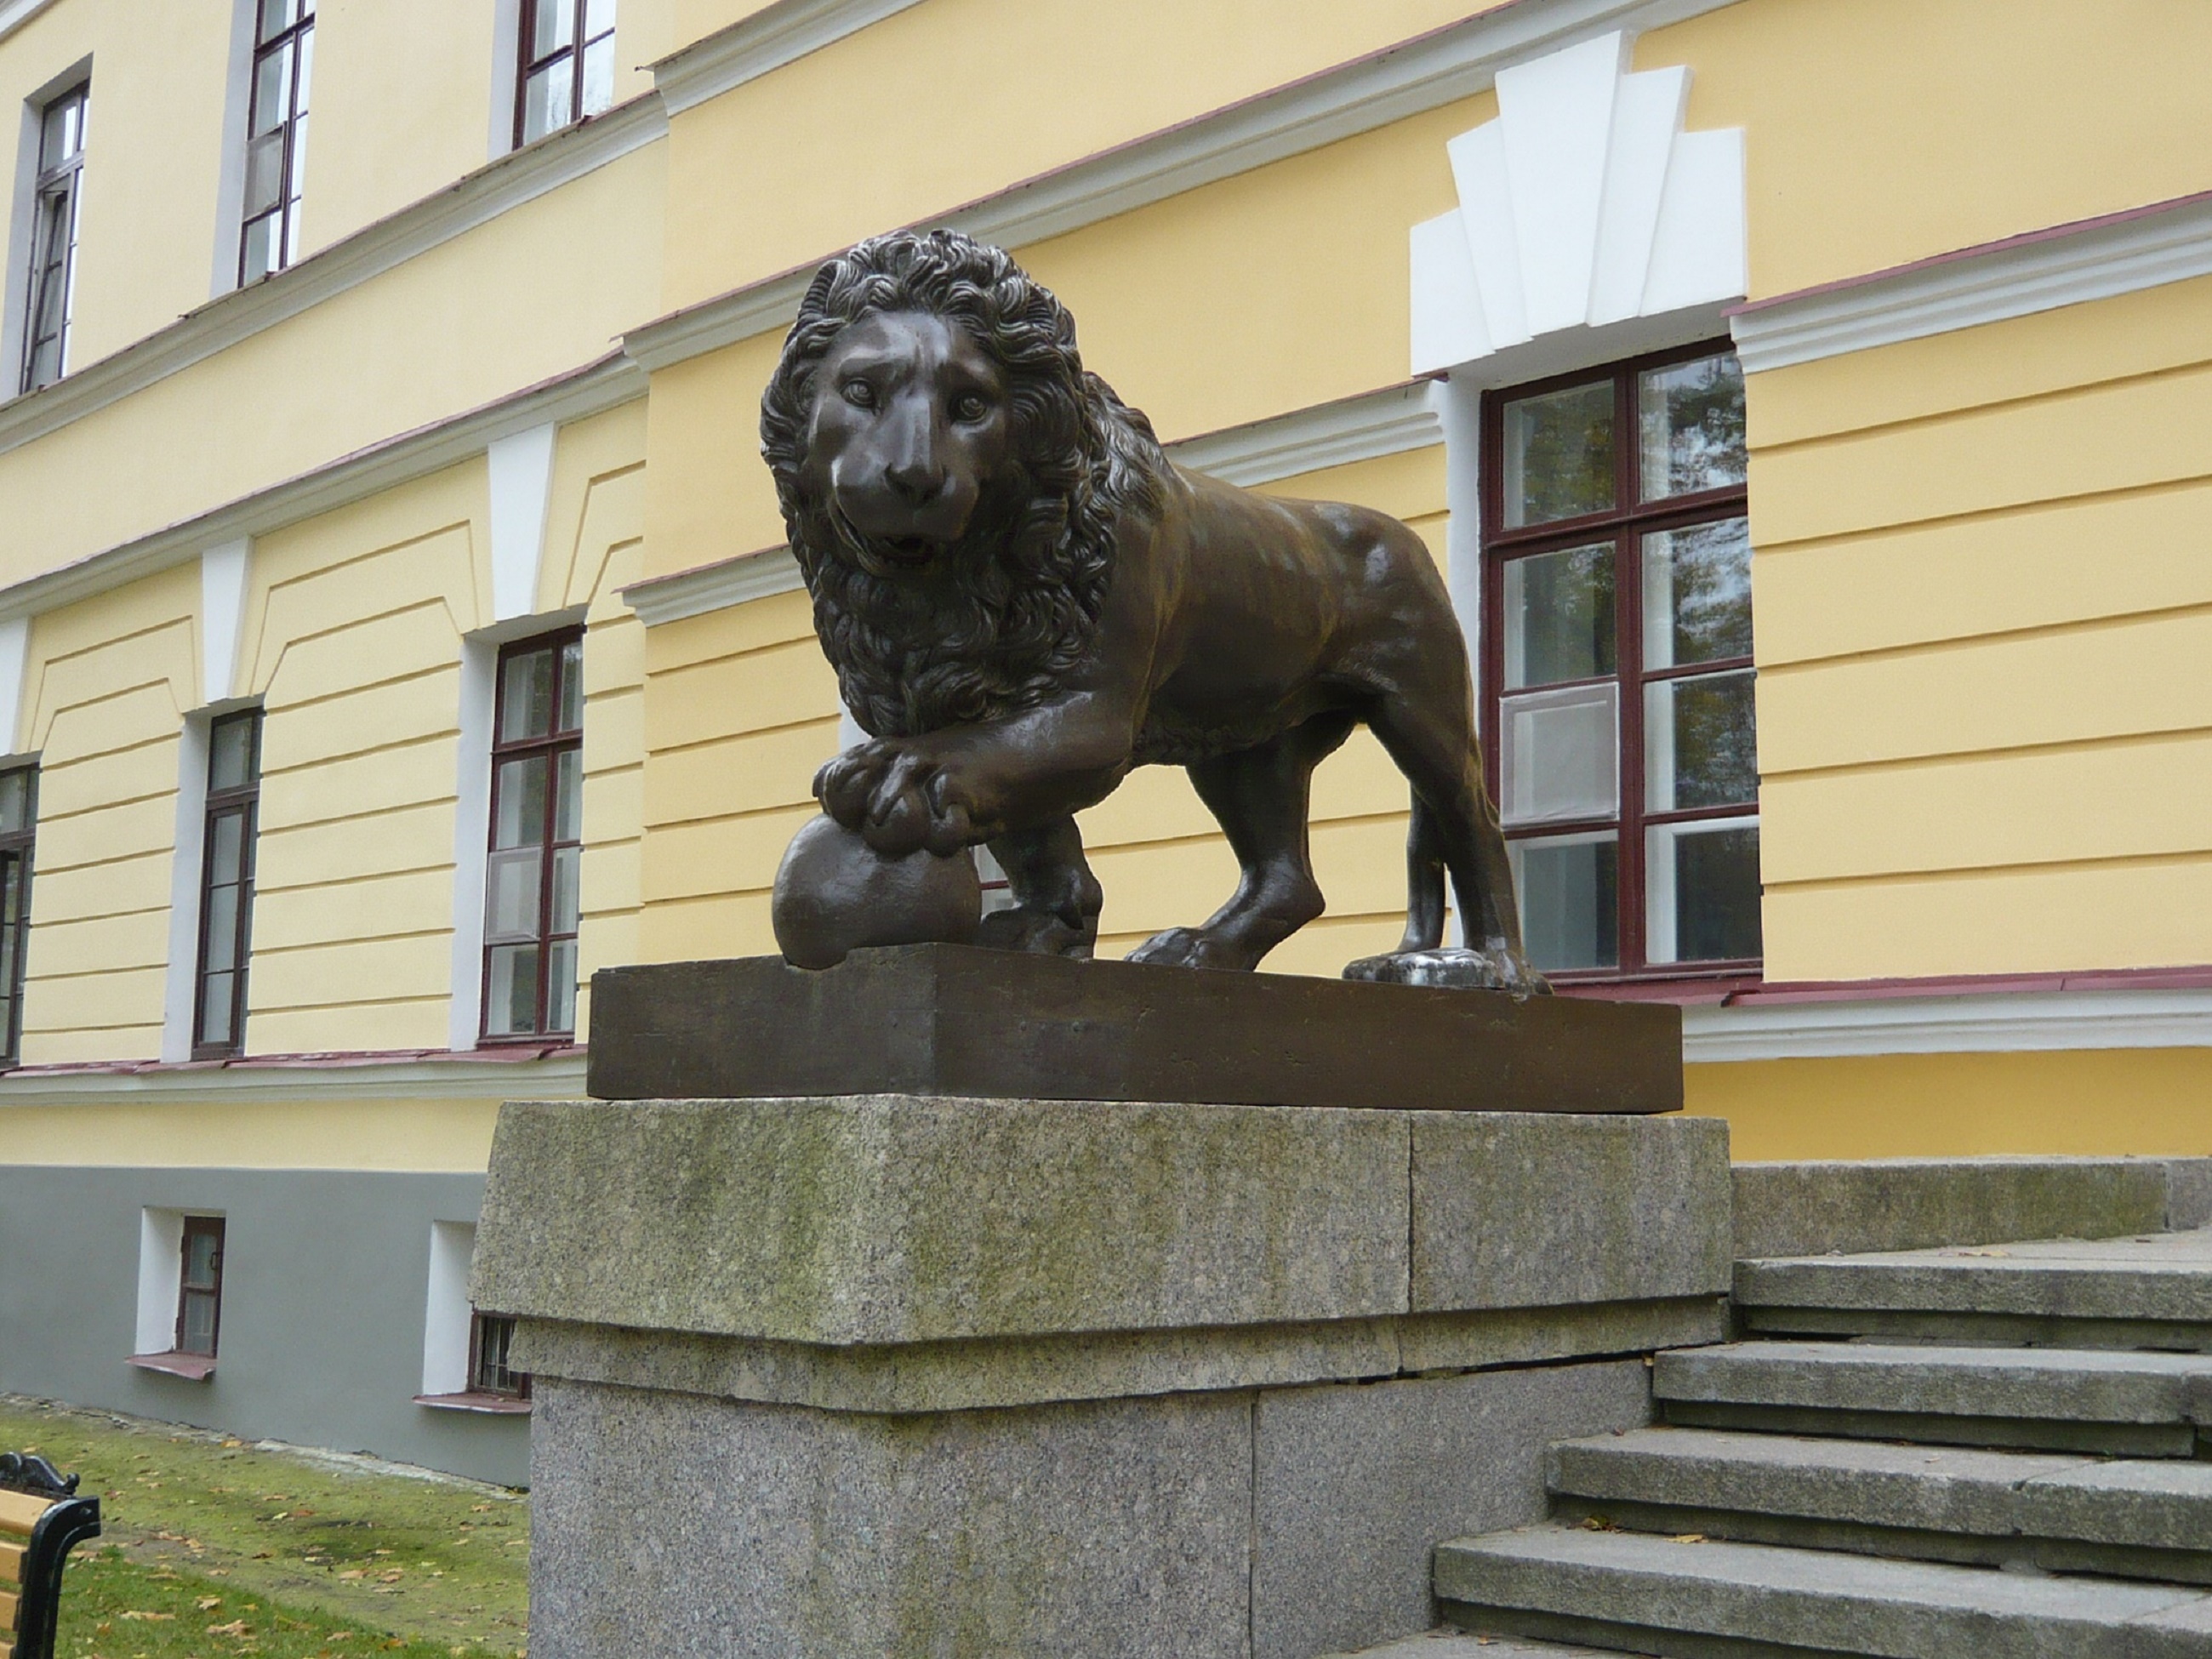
(1424, 880)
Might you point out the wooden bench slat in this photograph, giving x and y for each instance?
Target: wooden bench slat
(11, 1563)
(20, 1511)
(7, 1611)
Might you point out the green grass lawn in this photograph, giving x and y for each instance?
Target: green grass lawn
(214, 1547)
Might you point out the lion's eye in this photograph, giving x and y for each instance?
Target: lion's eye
(859, 394)
(970, 408)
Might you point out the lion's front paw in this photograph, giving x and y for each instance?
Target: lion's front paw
(899, 798)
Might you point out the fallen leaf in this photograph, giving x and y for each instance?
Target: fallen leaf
(150, 1618)
(236, 1627)
(1687, 1538)
(208, 1603)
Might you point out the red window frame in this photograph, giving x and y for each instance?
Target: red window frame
(1626, 523)
(242, 801)
(200, 1226)
(283, 34)
(566, 648)
(573, 52)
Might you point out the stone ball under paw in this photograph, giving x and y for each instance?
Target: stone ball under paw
(836, 894)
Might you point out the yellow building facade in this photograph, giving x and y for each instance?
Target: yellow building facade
(366, 359)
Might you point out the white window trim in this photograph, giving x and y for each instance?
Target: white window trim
(161, 1276)
(180, 987)
(22, 213)
(506, 76)
(230, 180)
(448, 1313)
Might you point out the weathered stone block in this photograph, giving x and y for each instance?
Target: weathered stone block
(894, 1220)
(1523, 1212)
(1816, 1207)
(1354, 1487)
(693, 1529)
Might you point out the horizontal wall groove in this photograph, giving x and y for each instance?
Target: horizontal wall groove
(743, 814)
(262, 890)
(411, 676)
(1844, 539)
(1962, 642)
(267, 831)
(1969, 871)
(349, 942)
(2102, 744)
(692, 746)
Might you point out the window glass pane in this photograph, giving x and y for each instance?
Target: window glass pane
(512, 893)
(599, 18)
(553, 26)
(217, 991)
(545, 102)
(14, 800)
(519, 818)
(62, 134)
(291, 246)
(525, 695)
(306, 48)
(260, 255)
(276, 16)
(1702, 890)
(1697, 594)
(1558, 454)
(1692, 420)
(225, 845)
(511, 997)
(196, 1332)
(598, 76)
(203, 1246)
(1560, 757)
(264, 173)
(222, 929)
(572, 686)
(272, 91)
(230, 753)
(1699, 747)
(1559, 617)
(560, 990)
(298, 182)
(493, 1339)
(564, 888)
(1569, 889)
(568, 803)
(13, 867)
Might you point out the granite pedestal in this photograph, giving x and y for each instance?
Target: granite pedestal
(897, 1374)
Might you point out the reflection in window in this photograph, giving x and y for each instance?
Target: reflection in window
(1621, 679)
(199, 1286)
(18, 818)
(567, 70)
(277, 137)
(54, 213)
(532, 893)
(233, 805)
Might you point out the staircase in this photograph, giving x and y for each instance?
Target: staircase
(2002, 1452)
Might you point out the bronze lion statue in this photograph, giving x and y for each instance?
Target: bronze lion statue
(1024, 599)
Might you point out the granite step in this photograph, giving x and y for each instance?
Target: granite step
(1699, 1598)
(2147, 1518)
(2117, 1404)
(2148, 1291)
(1456, 1644)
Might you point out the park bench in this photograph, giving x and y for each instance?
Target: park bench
(41, 1520)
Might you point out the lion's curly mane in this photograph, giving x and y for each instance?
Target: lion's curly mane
(1000, 621)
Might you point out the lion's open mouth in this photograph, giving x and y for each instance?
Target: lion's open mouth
(907, 550)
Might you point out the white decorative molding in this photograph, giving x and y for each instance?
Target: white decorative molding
(774, 35)
(482, 196)
(715, 587)
(15, 658)
(1361, 429)
(223, 569)
(520, 465)
(310, 1078)
(180, 977)
(2010, 1022)
(2095, 259)
(1585, 204)
(589, 391)
(447, 1315)
(14, 14)
(1422, 74)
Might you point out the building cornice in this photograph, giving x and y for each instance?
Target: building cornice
(1373, 424)
(1365, 427)
(2115, 253)
(413, 1075)
(482, 196)
(760, 45)
(2001, 1022)
(716, 586)
(14, 14)
(613, 381)
(1432, 69)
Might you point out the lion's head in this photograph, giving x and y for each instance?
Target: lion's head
(951, 478)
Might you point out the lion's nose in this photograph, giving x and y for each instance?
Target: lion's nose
(917, 485)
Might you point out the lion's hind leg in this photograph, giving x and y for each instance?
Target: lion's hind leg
(1260, 795)
(1056, 898)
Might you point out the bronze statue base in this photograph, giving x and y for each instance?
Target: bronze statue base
(959, 1020)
